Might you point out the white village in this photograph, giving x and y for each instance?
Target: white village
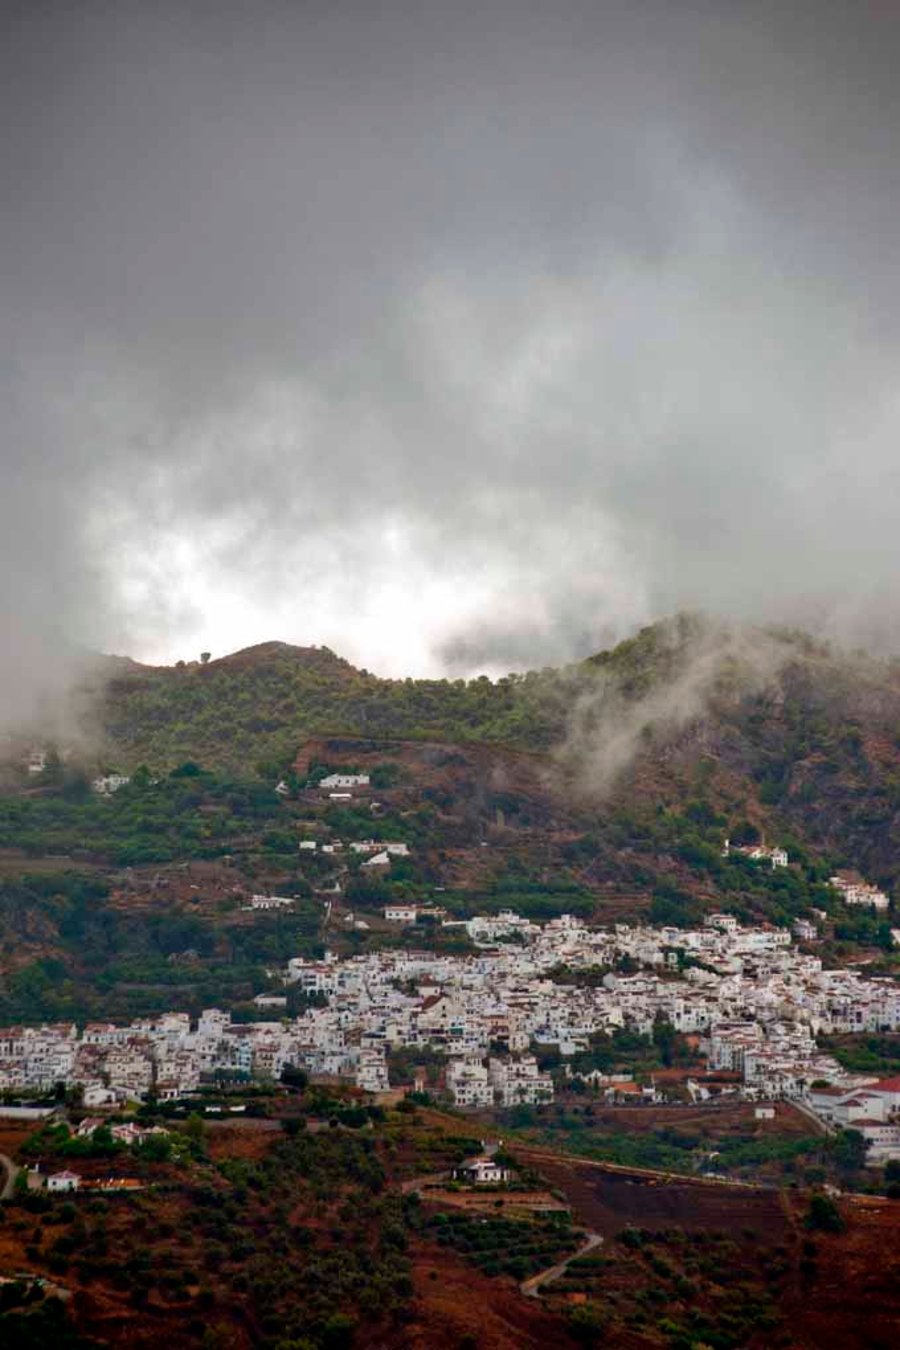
(750, 1000)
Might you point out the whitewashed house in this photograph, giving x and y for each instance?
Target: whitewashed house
(519, 1082)
(63, 1181)
(855, 891)
(371, 1070)
(468, 1082)
(483, 1170)
(400, 913)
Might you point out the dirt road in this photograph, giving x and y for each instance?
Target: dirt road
(12, 1171)
(531, 1286)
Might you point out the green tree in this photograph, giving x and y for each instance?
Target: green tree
(850, 1148)
(194, 1127)
(823, 1215)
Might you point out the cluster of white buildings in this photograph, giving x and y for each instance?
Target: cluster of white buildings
(498, 1082)
(109, 783)
(168, 1055)
(754, 1002)
(376, 853)
(854, 891)
(873, 1110)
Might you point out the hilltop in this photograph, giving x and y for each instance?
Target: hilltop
(644, 757)
(769, 726)
(261, 702)
(267, 698)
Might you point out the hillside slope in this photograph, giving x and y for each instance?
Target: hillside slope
(786, 731)
(261, 702)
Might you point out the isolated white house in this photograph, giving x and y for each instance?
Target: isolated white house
(855, 892)
(483, 1170)
(63, 1181)
(270, 902)
(400, 913)
(344, 780)
(395, 849)
(777, 857)
(378, 860)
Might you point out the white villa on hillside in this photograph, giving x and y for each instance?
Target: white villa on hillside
(855, 891)
(401, 913)
(63, 1181)
(483, 1170)
(777, 857)
(269, 902)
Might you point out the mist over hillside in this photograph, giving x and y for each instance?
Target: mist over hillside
(456, 345)
(765, 724)
(453, 341)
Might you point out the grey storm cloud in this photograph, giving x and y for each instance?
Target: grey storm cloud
(571, 314)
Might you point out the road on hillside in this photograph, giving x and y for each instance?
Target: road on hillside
(12, 1172)
(807, 1111)
(531, 1286)
(535, 1155)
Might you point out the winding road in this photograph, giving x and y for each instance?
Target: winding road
(531, 1287)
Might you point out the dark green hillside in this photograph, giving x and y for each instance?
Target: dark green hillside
(261, 703)
(769, 726)
(717, 729)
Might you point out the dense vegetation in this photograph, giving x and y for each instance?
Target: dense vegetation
(112, 961)
(295, 1247)
(803, 739)
(878, 1054)
(189, 814)
(260, 704)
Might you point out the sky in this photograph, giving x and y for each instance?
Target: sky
(454, 337)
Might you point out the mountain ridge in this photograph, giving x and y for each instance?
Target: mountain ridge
(768, 726)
